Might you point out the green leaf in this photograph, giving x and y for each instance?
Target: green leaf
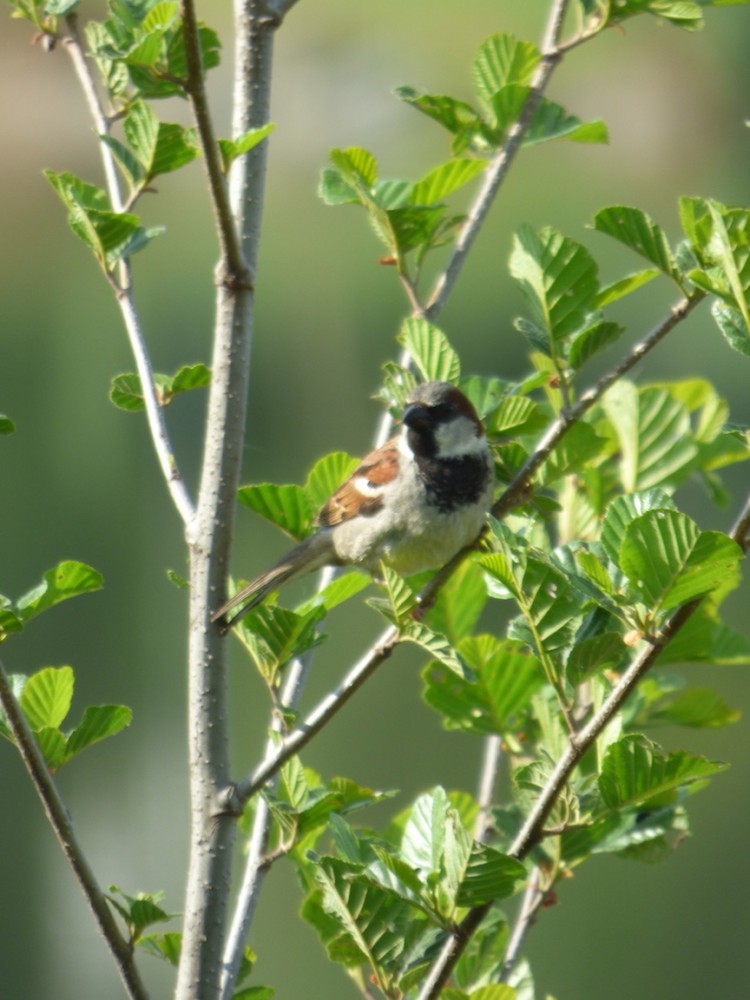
(126, 391)
(670, 561)
(46, 697)
(6, 424)
(166, 946)
(230, 149)
(697, 707)
(558, 277)
(190, 377)
(126, 159)
(636, 230)
(60, 8)
(445, 179)
(98, 722)
(489, 875)
(573, 453)
(506, 675)
(160, 147)
(515, 415)
(732, 326)
(624, 509)
(285, 506)
(460, 602)
(655, 436)
(430, 350)
(636, 771)
(336, 592)
(551, 121)
(457, 117)
(624, 286)
(275, 635)
(67, 579)
(503, 59)
(595, 654)
(378, 925)
(435, 644)
(591, 340)
(326, 476)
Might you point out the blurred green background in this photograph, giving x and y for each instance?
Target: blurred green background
(79, 479)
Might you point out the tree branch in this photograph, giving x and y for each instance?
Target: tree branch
(209, 875)
(59, 819)
(532, 830)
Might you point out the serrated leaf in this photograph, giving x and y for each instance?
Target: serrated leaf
(503, 59)
(126, 159)
(445, 179)
(489, 875)
(595, 654)
(624, 509)
(67, 579)
(458, 117)
(430, 350)
(326, 476)
(285, 506)
(635, 771)
(98, 722)
(506, 675)
(636, 230)
(274, 636)
(558, 277)
(514, 415)
(670, 561)
(230, 149)
(435, 644)
(190, 377)
(592, 340)
(655, 436)
(46, 697)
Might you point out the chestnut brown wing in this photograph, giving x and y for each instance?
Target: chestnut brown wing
(361, 494)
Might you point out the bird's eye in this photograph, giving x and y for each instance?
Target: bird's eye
(443, 410)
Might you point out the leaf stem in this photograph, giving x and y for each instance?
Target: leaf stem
(60, 821)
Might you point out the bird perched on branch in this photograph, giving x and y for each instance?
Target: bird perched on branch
(412, 503)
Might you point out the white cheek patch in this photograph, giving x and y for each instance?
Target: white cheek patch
(458, 438)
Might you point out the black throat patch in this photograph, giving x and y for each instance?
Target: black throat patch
(453, 482)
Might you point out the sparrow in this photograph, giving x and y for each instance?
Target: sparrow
(412, 503)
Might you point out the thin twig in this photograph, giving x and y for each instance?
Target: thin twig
(59, 819)
(226, 224)
(325, 710)
(256, 866)
(125, 297)
(531, 902)
(493, 754)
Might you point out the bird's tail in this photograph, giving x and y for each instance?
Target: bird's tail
(311, 554)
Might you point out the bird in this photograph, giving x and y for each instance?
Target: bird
(412, 503)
